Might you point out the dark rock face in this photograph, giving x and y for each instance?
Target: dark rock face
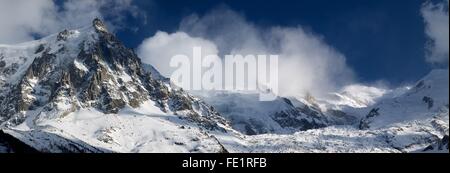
(9, 144)
(429, 101)
(2, 64)
(62, 36)
(99, 25)
(53, 144)
(178, 102)
(441, 145)
(99, 73)
(365, 122)
(341, 118)
(39, 49)
(444, 142)
(303, 118)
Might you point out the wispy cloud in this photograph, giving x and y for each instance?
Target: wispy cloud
(437, 29)
(20, 20)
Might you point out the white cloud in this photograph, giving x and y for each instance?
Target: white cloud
(228, 29)
(20, 20)
(437, 29)
(159, 49)
(307, 63)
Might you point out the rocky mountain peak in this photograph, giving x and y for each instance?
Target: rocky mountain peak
(92, 70)
(99, 25)
(63, 35)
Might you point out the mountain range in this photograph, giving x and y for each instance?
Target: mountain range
(84, 91)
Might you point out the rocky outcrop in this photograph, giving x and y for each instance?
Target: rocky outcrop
(42, 142)
(9, 144)
(441, 145)
(301, 118)
(365, 122)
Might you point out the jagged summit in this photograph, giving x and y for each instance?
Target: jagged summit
(47, 83)
(99, 25)
(85, 68)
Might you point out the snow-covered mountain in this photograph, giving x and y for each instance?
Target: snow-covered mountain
(84, 91)
(401, 120)
(411, 120)
(250, 116)
(427, 98)
(355, 96)
(84, 87)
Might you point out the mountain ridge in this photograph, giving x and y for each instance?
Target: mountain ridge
(88, 69)
(83, 91)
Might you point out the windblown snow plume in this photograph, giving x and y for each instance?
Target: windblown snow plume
(304, 57)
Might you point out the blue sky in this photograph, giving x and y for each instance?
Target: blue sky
(382, 39)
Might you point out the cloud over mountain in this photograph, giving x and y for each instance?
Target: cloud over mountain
(316, 66)
(22, 20)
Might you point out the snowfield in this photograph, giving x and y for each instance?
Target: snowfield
(405, 137)
(143, 130)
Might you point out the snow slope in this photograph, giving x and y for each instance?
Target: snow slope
(356, 96)
(405, 137)
(426, 99)
(405, 122)
(144, 129)
(248, 115)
